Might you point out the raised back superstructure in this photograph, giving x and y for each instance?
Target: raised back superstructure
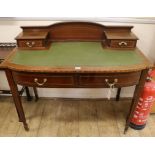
(42, 36)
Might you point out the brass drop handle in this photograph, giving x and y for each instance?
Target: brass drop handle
(122, 43)
(38, 83)
(111, 85)
(30, 44)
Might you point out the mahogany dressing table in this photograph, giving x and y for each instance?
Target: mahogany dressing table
(76, 55)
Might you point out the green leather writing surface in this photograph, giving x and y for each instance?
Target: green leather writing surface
(77, 54)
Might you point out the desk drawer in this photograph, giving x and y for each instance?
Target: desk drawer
(122, 43)
(29, 43)
(44, 80)
(102, 80)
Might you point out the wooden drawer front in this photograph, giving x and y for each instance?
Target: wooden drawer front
(44, 80)
(103, 80)
(30, 43)
(123, 43)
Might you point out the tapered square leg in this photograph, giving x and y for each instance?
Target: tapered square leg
(16, 98)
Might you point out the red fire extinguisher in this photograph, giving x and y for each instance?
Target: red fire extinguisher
(143, 108)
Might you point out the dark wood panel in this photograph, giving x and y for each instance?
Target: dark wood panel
(76, 31)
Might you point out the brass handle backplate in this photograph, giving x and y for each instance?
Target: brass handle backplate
(38, 83)
(30, 44)
(122, 43)
(111, 85)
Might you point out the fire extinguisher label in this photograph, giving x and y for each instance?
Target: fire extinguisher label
(144, 105)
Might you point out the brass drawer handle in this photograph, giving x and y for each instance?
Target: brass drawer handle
(122, 43)
(111, 85)
(30, 44)
(38, 83)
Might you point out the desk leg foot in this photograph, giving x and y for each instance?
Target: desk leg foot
(126, 129)
(26, 127)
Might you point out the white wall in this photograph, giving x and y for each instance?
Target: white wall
(145, 32)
